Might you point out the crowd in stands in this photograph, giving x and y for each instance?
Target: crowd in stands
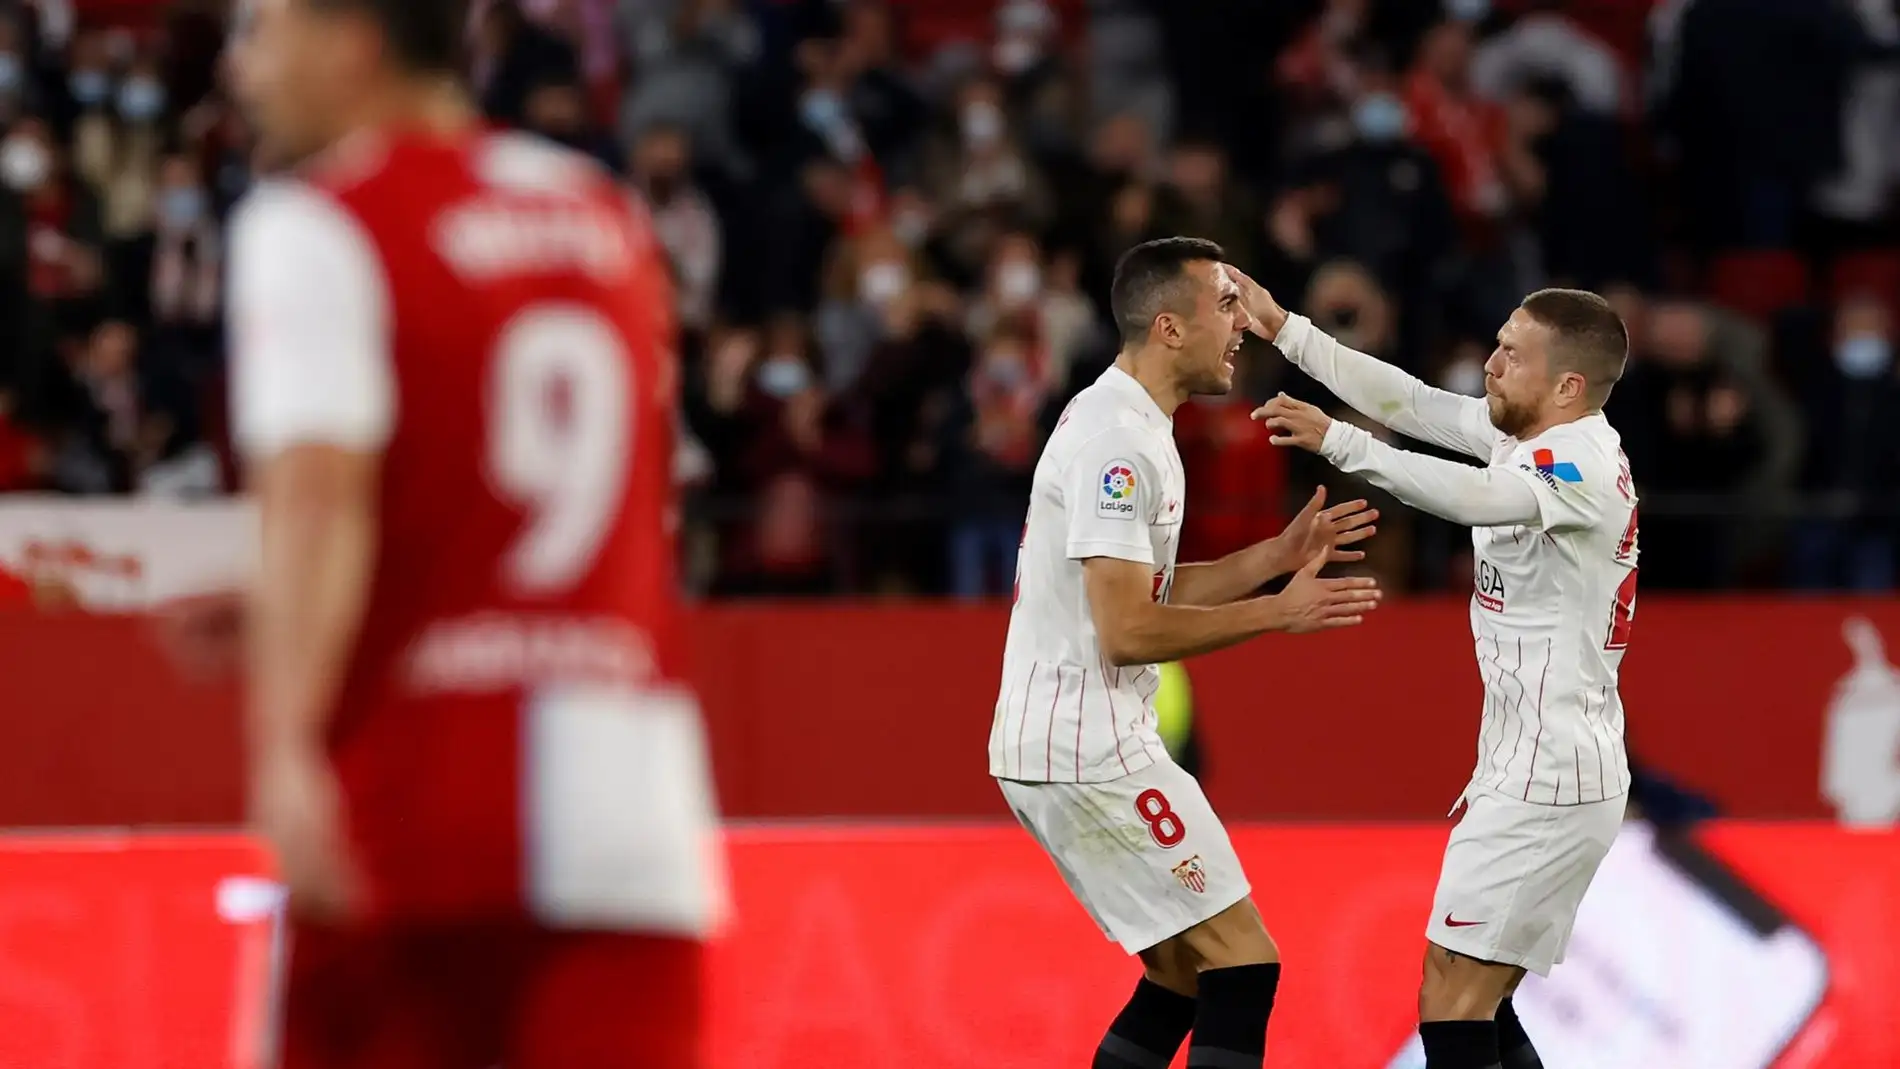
(893, 222)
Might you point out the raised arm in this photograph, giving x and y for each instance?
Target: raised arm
(1370, 385)
(1474, 497)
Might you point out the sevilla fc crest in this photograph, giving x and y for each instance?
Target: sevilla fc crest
(1192, 874)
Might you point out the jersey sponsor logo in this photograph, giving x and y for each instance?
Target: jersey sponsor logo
(1451, 922)
(1489, 583)
(1118, 490)
(1192, 874)
(1552, 468)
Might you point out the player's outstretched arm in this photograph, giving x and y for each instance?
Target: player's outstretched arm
(1371, 385)
(1474, 497)
(1133, 628)
(1316, 529)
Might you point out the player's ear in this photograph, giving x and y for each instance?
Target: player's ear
(1572, 388)
(1168, 328)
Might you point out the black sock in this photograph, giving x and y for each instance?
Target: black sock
(1460, 1044)
(1514, 1047)
(1230, 1020)
(1148, 1031)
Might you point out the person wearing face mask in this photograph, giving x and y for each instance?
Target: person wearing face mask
(990, 449)
(1854, 455)
(187, 263)
(141, 98)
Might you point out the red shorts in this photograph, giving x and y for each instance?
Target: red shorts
(476, 997)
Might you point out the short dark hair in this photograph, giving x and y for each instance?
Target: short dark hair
(1148, 281)
(425, 36)
(1587, 336)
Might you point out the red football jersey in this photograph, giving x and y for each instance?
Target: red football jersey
(493, 315)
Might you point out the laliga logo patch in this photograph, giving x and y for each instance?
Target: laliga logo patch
(1118, 490)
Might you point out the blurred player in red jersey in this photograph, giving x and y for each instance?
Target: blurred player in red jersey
(470, 744)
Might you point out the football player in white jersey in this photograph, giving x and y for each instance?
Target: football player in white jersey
(1100, 602)
(1553, 528)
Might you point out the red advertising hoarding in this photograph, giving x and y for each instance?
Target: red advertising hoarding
(881, 710)
(958, 948)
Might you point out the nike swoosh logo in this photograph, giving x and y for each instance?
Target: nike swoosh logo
(1450, 923)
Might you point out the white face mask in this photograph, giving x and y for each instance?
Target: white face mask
(1018, 282)
(24, 164)
(1465, 377)
(880, 284)
(982, 124)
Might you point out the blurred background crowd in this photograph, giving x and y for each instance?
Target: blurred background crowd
(893, 222)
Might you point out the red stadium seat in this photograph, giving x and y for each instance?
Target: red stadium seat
(1875, 271)
(1759, 283)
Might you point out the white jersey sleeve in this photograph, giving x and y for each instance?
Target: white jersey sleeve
(1389, 395)
(1113, 491)
(1461, 493)
(310, 326)
(1574, 481)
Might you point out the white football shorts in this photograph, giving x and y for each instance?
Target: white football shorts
(1514, 875)
(1144, 854)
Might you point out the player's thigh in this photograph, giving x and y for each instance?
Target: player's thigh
(362, 999)
(1514, 875)
(608, 1000)
(1145, 853)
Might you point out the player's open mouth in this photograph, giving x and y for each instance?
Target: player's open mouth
(1232, 351)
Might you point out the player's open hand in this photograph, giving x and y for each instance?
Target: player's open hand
(298, 808)
(1318, 529)
(1310, 603)
(1294, 423)
(1267, 315)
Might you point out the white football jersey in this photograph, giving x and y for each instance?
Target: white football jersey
(1109, 484)
(1551, 614)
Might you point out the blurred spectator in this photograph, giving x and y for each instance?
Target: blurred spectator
(1753, 146)
(1200, 199)
(55, 221)
(1548, 45)
(1375, 198)
(186, 271)
(117, 146)
(787, 445)
(1688, 426)
(685, 56)
(890, 112)
(868, 277)
(990, 450)
(556, 108)
(1046, 308)
(1485, 164)
(1855, 441)
(513, 55)
(977, 166)
(684, 219)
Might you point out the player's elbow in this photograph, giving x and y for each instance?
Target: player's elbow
(1121, 647)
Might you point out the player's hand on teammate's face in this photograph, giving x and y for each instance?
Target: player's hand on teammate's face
(1294, 423)
(1266, 314)
(298, 808)
(1318, 529)
(1310, 603)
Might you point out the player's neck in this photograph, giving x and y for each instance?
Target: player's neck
(1155, 375)
(432, 105)
(1554, 420)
